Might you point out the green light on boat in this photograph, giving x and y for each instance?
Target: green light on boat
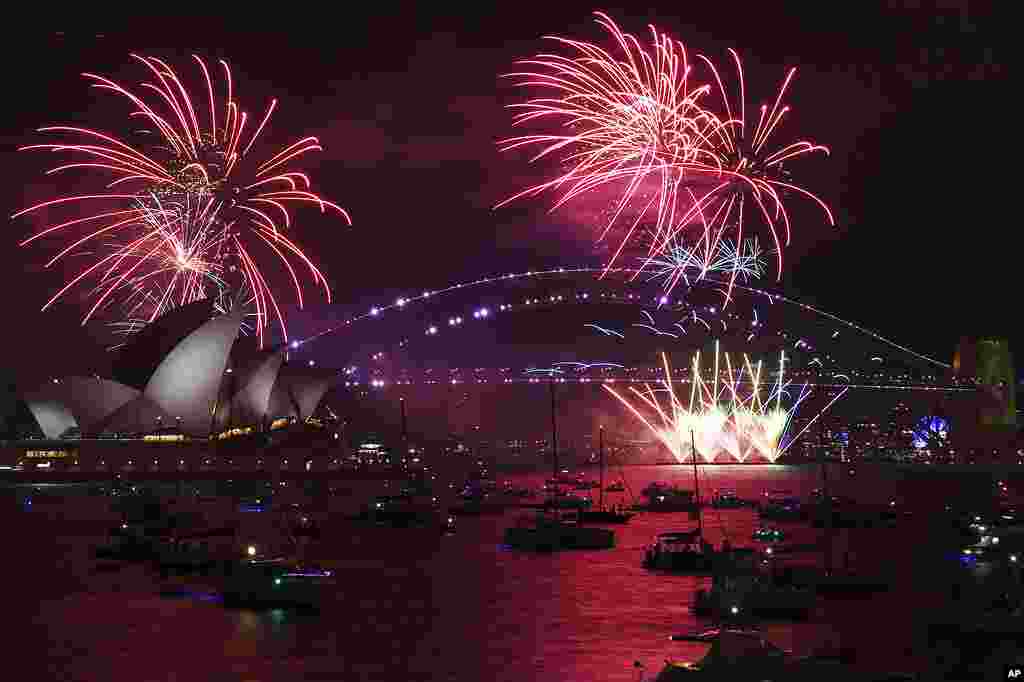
(277, 581)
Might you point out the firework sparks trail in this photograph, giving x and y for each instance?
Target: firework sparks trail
(638, 118)
(213, 203)
(632, 119)
(681, 263)
(814, 419)
(584, 366)
(718, 418)
(752, 173)
(606, 331)
(657, 331)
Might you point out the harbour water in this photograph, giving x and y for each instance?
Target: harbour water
(460, 607)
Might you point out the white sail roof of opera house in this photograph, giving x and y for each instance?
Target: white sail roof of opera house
(246, 390)
(76, 402)
(138, 359)
(174, 373)
(50, 412)
(186, 383)
(298, 390)
(135, 416)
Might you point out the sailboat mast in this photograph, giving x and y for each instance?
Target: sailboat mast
(826, 498)
(600, 448)
(696, 485)
(554, 436)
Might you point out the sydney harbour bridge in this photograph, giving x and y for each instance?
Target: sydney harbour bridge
(468, 361)
(469, 368)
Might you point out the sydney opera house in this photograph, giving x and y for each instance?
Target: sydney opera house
(186, 386)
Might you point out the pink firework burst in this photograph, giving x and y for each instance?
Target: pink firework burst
(748, 174)
(633, 120)
(194, 192)
(638, 123)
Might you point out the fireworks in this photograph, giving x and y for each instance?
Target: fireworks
(719, 417)
(747, 170)
(634, 120)
(680, 263)
(640, 123)
(188, 209)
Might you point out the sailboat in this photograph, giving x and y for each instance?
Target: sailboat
(739, 654)
(686, 551)
(549, 530)
(603, 514)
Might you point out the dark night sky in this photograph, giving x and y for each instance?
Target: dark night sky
(409, 105)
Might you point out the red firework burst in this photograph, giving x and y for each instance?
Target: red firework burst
(191, 207)
(746, 170)
(635, 119)
(639, 122)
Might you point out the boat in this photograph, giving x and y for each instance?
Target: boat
(664, 498)
(548, 532)
(843, 512)
(300, 521)
(727, 499)
(679, 551)
(254, 504)
(512, 490)
(604, 514)
(128, 542)
(739, 654)
(560, 478)
(276, 582)
(743, 587)
(780, 505)
(478, 506)
(766, 534)
(566, 500)
(203, 550)
(400, 511)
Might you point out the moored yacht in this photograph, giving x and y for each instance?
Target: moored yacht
(276, 582)
(727, 499)
(742, 586)
(679, 551)
(780, 505)
(741, 654)
(550, 532)
(667, 498)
